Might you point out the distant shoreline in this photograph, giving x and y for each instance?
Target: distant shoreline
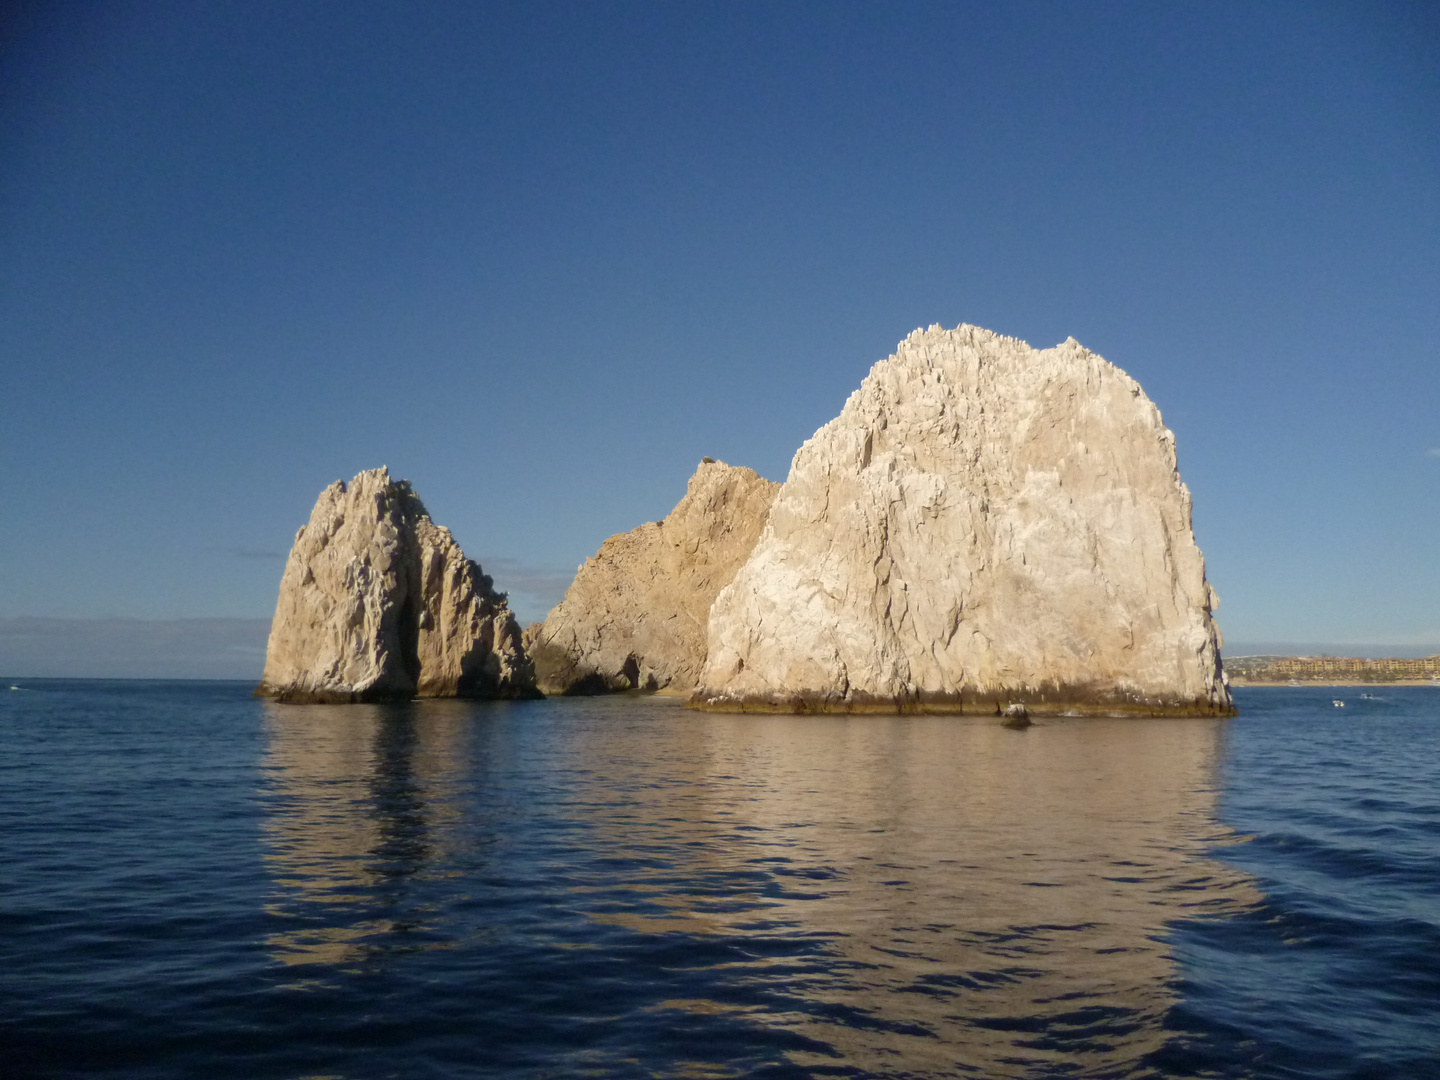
(1332, 671)
(1296, 684)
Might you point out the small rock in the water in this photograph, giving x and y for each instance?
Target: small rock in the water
(1015, 716)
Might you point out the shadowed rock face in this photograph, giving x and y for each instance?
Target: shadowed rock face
(378, 603)
(635, 615)
(983, 524)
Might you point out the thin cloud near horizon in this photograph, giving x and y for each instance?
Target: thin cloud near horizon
(518, 576)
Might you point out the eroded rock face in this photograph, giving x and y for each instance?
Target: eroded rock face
(635, 616)
(984, 524)
(378, 603)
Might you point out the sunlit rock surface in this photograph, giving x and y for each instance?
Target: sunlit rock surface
(635, 616)
(984, 524)
(379, 603)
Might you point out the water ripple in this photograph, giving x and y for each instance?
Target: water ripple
(202, 885)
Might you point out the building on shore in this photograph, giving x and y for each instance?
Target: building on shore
(1330, 669)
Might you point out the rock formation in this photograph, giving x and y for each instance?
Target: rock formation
(983, 525)
(635, 615)
(378, 603)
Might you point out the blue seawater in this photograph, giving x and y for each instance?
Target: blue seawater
(194, 883)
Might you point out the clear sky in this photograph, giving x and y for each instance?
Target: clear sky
(540, 259)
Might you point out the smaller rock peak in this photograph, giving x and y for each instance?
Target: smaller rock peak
(420, 620)
(635, 615)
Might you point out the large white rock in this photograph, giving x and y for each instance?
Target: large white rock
(378, 603)
(635, 616)
(983, 524)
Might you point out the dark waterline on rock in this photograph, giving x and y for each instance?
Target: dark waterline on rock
(201, 884)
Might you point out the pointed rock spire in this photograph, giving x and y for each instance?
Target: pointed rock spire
(378, 603)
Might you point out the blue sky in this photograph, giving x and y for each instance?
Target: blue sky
(540, 259)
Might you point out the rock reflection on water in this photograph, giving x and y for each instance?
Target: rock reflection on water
(996, 900)
(917, 895)
(350, 824)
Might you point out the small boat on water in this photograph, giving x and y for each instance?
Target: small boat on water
(1338, 703)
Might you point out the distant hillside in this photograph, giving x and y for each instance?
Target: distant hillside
(1330, 669)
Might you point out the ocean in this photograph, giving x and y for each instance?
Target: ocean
(195, 883)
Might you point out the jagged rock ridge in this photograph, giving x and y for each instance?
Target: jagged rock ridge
(635, 616)
(984, 524)
(379, 603)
